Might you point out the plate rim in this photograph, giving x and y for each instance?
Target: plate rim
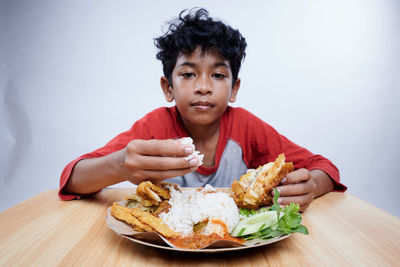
(202, 250)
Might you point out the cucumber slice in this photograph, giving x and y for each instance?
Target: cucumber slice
(255, 223)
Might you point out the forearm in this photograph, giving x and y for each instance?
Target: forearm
(91, 175)
(323, 182)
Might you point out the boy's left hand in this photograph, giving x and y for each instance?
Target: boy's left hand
(297, 187)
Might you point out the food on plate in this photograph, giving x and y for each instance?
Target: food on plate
(141, 221)
(149, 196)
(254, 223)
(153, 221)
(134, 200)
(190, 207)
(124, 214)
(195, 154)
(194, 218)
(191, 218)
(265, 224)
(151, 192)
(163, 207)
(253, 188)
(201, 216)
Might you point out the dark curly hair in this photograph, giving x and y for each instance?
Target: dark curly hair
(195, 29)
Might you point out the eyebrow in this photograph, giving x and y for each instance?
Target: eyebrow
(223, 64)
(191, 64)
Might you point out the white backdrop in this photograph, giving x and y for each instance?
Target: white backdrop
(73, 74)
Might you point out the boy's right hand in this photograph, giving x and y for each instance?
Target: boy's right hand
(156, 160)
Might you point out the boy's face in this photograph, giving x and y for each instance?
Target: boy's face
(202, 87)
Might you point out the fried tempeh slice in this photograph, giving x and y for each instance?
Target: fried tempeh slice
(124, 214)
(154, 222)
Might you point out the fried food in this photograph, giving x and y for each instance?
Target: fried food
(142, 221)
(154, 193)
(163, 207)
(154, 222)
(253, 188)
(142, 201)
(148, 196)
(124, 214)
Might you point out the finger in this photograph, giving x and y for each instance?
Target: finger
(161, 163)
(296, 176)
(301, 200)
(296, 189)
(160, 147)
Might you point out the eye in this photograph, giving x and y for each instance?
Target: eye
(219, 75)
(187, 75)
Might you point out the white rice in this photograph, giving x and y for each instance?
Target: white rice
(195, 154)
(191, 206)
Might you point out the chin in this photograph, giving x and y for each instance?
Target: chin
(203, 121)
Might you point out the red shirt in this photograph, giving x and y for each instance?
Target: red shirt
(259, 143)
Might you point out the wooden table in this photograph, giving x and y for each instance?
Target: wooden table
(45, 231)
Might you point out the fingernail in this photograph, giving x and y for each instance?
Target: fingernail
(279, 200)
(279, 190)
(188, 150)
(284, 180)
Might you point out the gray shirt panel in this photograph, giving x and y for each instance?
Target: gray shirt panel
(231, 166)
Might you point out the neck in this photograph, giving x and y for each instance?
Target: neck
(205, 139)
(202, 133)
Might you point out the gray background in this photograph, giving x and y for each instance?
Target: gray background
(73, 74)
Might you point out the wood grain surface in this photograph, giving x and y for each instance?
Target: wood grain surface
(45, 231)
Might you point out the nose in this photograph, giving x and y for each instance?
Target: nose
(204, 86)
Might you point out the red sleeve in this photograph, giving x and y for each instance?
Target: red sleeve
(261, 143)
(118, 143)
(158, 124)
(302, 158)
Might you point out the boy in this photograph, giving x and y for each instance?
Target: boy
(201, 59)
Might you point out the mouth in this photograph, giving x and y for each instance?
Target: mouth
(202, 105)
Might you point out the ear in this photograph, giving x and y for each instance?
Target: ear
(234, 91)
(167, 89)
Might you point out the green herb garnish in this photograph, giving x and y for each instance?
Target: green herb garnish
(287, 220)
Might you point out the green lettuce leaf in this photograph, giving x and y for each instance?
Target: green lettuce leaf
(246, 212)
(289, 220)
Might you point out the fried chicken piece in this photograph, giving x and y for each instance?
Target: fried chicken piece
(154, 222)
(150, 191)
(253, 188)
(239, 191)
(124, 214)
